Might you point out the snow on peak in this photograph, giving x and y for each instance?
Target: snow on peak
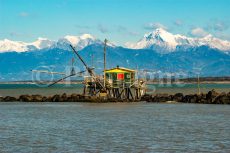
(8, 45)
(87, 36)
(216, 43)
(74, 40)
(163, 41)
(43, 43)
(70, 39)
(159, 39)
(79, 42)
(41, 38)
(209, 36)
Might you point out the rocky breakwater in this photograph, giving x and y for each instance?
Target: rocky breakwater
(212, 97)
(60, 98)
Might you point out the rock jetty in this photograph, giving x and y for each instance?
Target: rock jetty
(60, 98)
(212, 97)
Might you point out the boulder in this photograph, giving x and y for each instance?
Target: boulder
(45, 99)
(37, 98)
(147, 98)
(211, 95)
(74, 98)
(193, 99)
(90, 99)
(112, 100)
(1, 99)
(56, 98)
(64, 97)
(190, 98)
(98, 99)
(201, 98)
(223, 98)
(228, 95)
(9, 99)
(162, 98)
(178, 97)
(25, 98)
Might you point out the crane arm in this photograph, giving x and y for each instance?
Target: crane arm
(90, 70)
(87, 68)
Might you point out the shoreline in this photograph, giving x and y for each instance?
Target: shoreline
(160, 81)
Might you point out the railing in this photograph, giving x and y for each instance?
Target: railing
(119, 83)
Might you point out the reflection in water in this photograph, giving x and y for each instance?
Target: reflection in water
(116, 127)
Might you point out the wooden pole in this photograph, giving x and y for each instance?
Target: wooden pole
(105, 60)
(198, 83)
(92, 60)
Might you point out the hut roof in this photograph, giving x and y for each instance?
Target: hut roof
(119, 70)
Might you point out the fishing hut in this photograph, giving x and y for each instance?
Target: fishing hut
(120, 76)
(121, 83)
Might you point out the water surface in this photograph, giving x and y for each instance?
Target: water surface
(114, 127)
(19, 89)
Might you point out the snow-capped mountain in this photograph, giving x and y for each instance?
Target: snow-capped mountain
(163, 41)
(8, 45)
(43, 43)
(212, 62)
(19, 46)
(159, 40)
(184, 54)
(78, 41)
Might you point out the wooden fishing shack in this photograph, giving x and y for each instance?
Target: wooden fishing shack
(119, 76)
(121, 83)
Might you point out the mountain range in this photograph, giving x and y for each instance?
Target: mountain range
(159, 40)
(43, 43)
(164, 42)
(158, 52)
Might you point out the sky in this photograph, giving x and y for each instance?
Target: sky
(120, 21)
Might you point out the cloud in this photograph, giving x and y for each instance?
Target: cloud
(123, 30)
(23, 14)
(198, 32)
(102, 29)
(133, 33)
(178, 23)
(217, 26)
(82, 27)
(15, 34)
(223, 35)
(155, 25)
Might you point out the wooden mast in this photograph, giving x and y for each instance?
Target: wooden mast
(198, 83)
(105, 60)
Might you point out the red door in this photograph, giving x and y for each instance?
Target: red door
(120, 76)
